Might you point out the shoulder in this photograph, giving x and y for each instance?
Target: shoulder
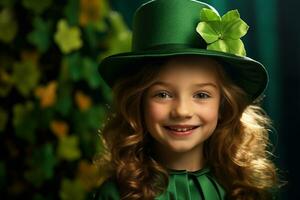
(108, 191)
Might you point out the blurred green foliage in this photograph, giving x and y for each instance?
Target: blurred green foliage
(53, 101)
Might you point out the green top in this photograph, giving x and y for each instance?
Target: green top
(183, 185)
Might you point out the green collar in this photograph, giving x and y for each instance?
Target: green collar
(188, 185)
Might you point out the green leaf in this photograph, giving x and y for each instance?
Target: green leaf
(90, 119)
(236, 47)
(210, 32)
(92, 36)
(37, 6)
(90, 72)
(71, 190)
(6, 81)
(96, 117)
(106, 92)
(8, 25)
(41, 163)
(24, 121)
(64, 100)
(3, 119)
(219, 45)
(68, 148)
(230, 16)
(86, 125)
(228, 46)
(74, 64)
(235, 29)
(67, 38)
(40, 36)
(209, 15)
(119, 39)
(224, 34)
(25, 77)
(101, 25)
(72, 16)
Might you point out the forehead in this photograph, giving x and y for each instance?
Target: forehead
(190, 68)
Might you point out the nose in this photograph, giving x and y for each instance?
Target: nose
(182, 108)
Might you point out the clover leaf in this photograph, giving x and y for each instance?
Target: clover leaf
(25, 84)
(89, 70)
(47, 94)
(8, 25)
(37, 6)
(68, 148)
(223, 33)
(41, 165)
(72, 190)
(82, 100)
(88, 174)
(6, 82)
(67, 38)
(119, 39)
(59, 128)
(40, 36)
(25, 121)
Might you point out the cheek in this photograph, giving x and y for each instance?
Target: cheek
(155, 112)
(210, 112)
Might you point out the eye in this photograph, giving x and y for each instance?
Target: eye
(202, 95)
(162, 95)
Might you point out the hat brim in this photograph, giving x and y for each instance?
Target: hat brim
(247, 73)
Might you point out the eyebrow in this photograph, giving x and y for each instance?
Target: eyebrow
(197, 84)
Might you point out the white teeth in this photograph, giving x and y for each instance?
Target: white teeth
(181, 129)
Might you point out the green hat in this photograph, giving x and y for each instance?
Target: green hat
(164, 28)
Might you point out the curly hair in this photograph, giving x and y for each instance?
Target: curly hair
(240, 158)
(237, 152)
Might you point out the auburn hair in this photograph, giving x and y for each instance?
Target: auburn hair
(237, 152)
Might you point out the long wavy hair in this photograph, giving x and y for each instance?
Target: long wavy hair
(237, 152)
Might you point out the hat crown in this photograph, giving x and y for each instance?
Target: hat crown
(164, 28)
(167, 22)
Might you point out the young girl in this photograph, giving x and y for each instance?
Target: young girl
(186, 122)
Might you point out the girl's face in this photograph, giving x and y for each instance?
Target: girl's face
(181, 107)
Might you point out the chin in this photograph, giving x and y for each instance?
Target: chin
(180, 148)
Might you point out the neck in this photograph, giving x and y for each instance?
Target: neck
(191, 160)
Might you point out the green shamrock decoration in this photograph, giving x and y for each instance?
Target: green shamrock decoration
(25, 84)
(83, 68)
(40, 36)
(223, 33)
(41, 165)
(68, 148)
(24, 121)
(37, 6)
(67, 38)
(119, 39)
(90, 72)
(8, 25)
(72, 190)
(6, 82)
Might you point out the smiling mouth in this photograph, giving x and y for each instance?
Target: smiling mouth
(181, 128)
